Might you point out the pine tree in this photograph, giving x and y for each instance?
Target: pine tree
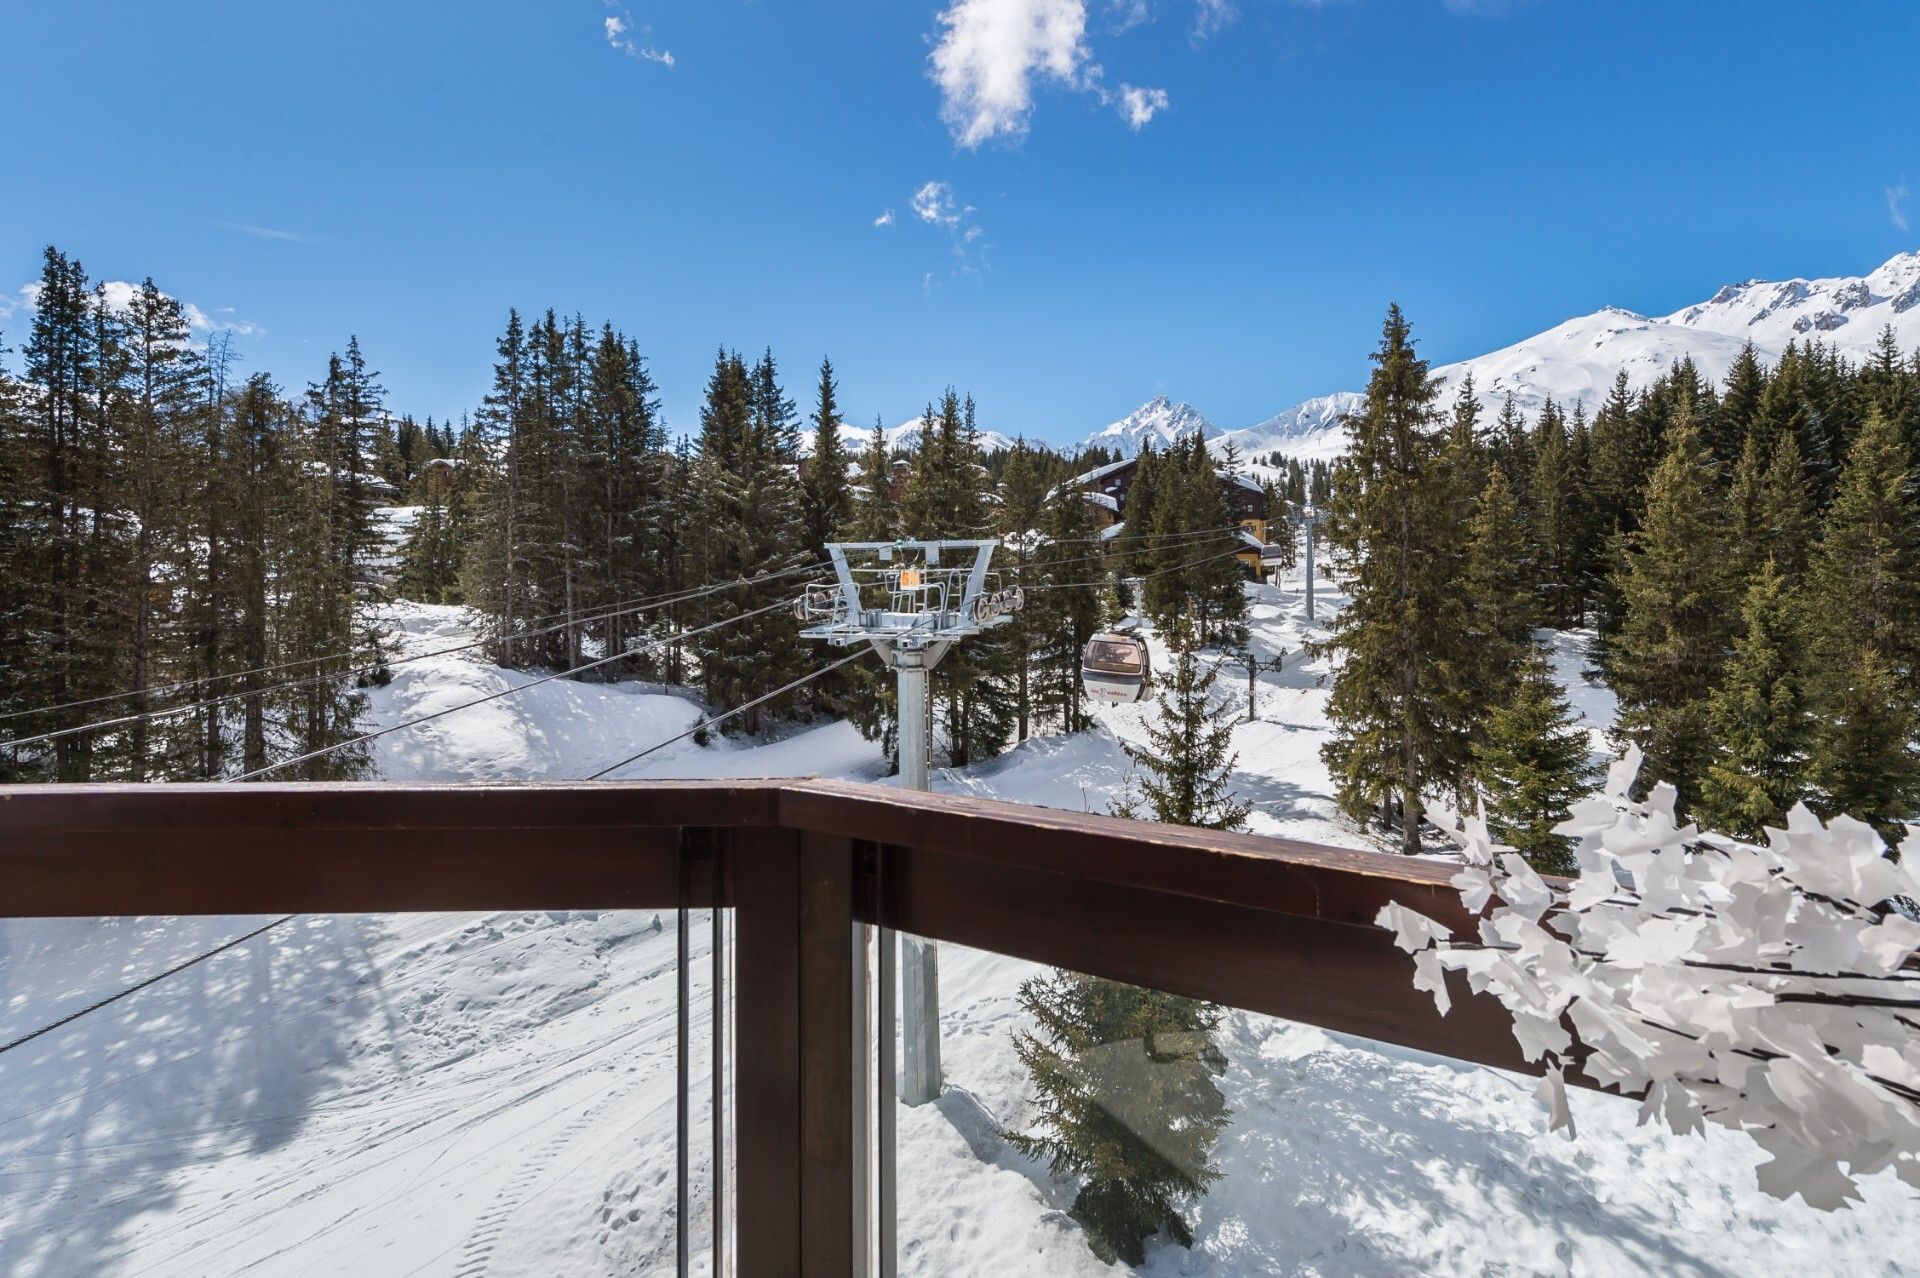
(868, 698)
(1679, 587)
(1759, 718)
(494, 575)
(753, 505)
(1558, 527)
(1215, 575)
(829, 501)
(1065, 608)
(1786, 518)
(1863, 587)
(1127, 1103)
(66, 586)
(1022, 504)
(1500, 610)
(623, 518)
(1397, 700)
(1739, 406)
(1187, 761)
(874, 515)
(946, 500)
(1532, 764)
(1862, 761)
(162, 415)
(1143, 499)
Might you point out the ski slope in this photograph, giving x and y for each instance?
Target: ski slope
(473, 1094)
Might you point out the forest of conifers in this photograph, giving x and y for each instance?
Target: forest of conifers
(180, 538)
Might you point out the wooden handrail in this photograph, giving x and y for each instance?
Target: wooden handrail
(1270, 925)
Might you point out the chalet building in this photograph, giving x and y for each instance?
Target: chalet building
(1106, 488)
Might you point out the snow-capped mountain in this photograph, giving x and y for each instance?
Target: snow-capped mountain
(1575, 362)
(902, 438)
(1159, 420)
(1309, 429)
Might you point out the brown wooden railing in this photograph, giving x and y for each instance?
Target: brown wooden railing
(1269, 925)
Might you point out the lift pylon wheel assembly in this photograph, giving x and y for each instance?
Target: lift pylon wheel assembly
(912, 600)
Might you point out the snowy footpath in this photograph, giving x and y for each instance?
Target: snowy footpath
(462, 1094)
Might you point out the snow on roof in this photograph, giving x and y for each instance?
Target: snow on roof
(1106, 501)
(1099, 473)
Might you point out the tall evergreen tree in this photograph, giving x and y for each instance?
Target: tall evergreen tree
(1065, 608)
(1396, 704)
(1500, 610)
(1862, 760)
(748, 458)
(1863, 587)
(829, 501)
(1127, 1104)
(946, 500)
(1679, 587)
(1759, 718)
(1531, 765)
(1187, 760)
(1023, 495)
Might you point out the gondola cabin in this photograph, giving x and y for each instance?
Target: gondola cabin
(1116, 667)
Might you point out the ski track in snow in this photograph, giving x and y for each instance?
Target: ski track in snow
(469, 1095)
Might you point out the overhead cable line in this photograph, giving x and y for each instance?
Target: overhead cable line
(739, 709)
(134, 989)
(506, 692)
(602, 612)
(170, 711)
(1158, 572)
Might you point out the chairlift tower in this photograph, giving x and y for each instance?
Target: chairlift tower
(1310, 519)
(911, 601)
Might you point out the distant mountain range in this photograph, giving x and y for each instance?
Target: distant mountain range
(902, 438)
(1575, 362)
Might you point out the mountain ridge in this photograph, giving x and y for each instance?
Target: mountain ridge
(1575, 361)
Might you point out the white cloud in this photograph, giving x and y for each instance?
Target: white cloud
(885, 219)
(119, 294)
(991, 53)
(1137, 106)
(934, 203)
(619, 29)
(1124, 15)
(1210, 16)
(1897, 206)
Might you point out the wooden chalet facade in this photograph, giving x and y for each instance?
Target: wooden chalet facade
(1105, 489)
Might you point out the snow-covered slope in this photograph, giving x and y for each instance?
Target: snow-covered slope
(463, 1095)
(902, 438)
(1575, 362)
(1159, 421)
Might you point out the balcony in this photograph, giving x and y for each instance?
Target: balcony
(803, 878)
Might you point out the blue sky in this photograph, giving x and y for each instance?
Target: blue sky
(1129, 197)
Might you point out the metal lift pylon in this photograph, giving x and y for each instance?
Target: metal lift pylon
(911, 607)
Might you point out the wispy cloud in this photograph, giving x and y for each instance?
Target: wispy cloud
(936, 205)
(1897, 206)
(274, 233)
(885, 219)
(993, 53)
(1124, 15)
(1137, 106)
(1209, 16)
(620, 35)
